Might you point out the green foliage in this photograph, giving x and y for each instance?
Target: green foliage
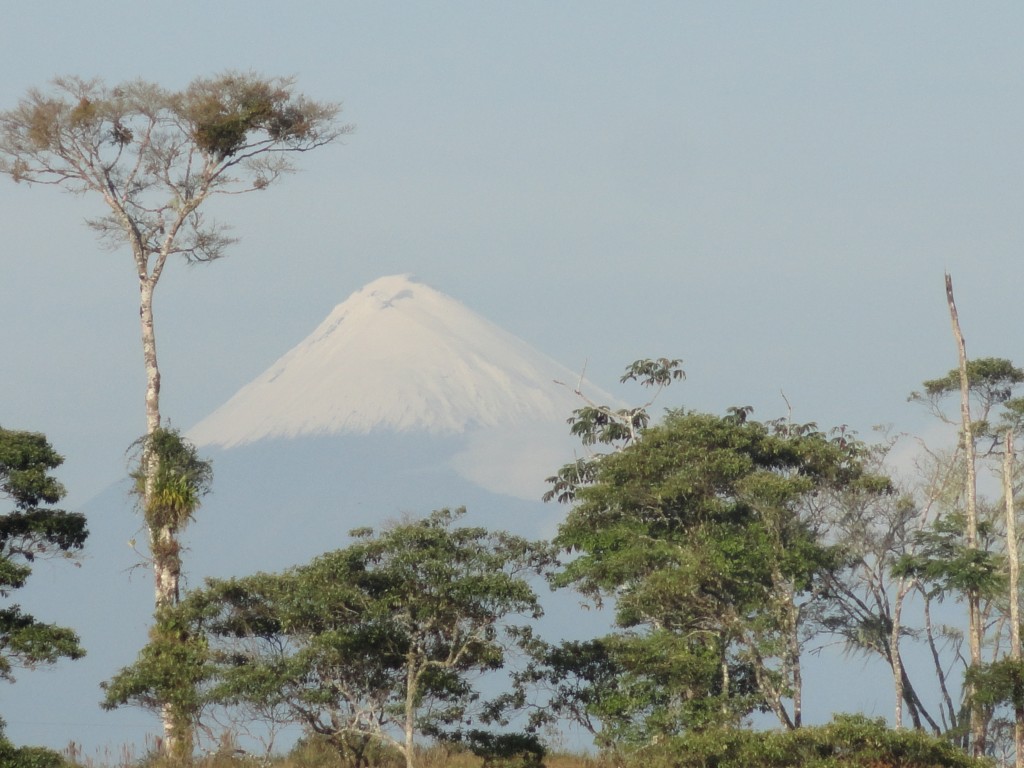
(28, 757)
(629, 689)
(583, 683)
(170, 672)
(29, 532)
(26, 459)
(998, 683)
(180, 481)
(699, 487)
(601, 425)
(700, 529)
(943, 561)
(28, 642)
(352, 645)
(654, 373)
(991, 378)
(595, 424)
(569, 478)
(849, 741)
(991, 382)
(32, 530)
(506, 750)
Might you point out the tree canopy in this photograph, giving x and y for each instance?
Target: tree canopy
(706, 532)
(376, 642)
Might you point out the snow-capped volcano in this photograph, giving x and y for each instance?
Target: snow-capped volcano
(399, 356)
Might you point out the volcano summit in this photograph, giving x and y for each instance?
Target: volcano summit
(397, 356)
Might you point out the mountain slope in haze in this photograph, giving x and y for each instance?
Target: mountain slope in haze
(401, 402)
(401, 356)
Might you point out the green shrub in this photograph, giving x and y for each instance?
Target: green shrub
(849, 741)
(29, 757)
(506, 750)
(315, 751)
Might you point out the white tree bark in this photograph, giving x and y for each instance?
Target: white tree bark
(412, 675)
(1014, 587)
(973, 598)
(894, 645)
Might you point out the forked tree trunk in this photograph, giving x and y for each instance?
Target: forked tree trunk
(973, 596)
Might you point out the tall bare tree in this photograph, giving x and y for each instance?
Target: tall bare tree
(155, 158)
(975, 631)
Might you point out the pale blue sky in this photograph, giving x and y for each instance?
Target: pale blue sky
(770, 191)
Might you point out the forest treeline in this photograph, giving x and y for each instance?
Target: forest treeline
(726, 547)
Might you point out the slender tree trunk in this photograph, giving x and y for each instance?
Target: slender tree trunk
(1012, 556)
(796, 673)
(410, 708)
(146, 288)
(772, 694)
(898, 672)
(973, 597)
(162, 538)
(726, 683)
(162, 541)
(163, 544)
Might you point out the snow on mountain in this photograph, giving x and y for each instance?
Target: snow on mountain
(396, 355)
